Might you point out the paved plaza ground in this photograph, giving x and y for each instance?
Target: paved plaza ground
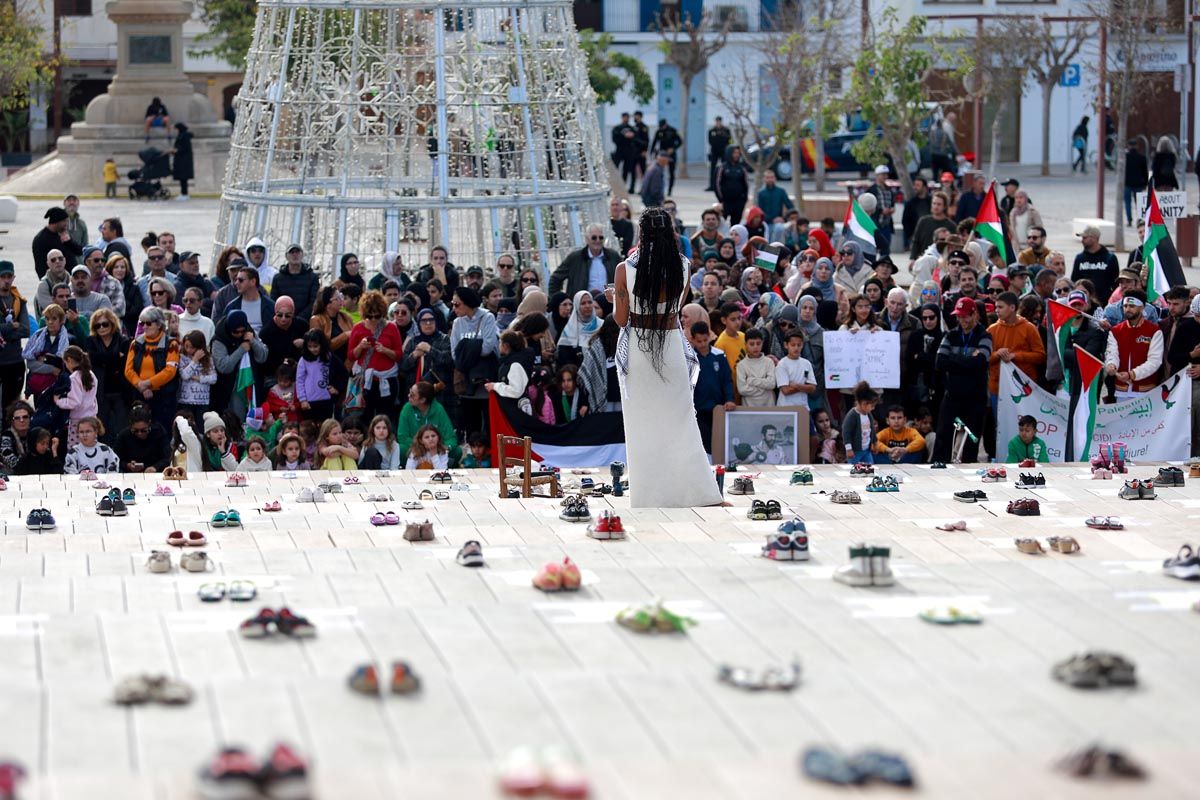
(973, 708)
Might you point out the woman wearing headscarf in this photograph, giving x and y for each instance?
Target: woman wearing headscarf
(427, 357)
(818, 240)
(578, 333)
(925, 382)
(391, 268)
(822, 281)
(751, 287)
(814, 347)
(770, 306)
(851, 276)
(560, 312)
(740, 236)
(532, 302)
(350, 271)
(727, 252)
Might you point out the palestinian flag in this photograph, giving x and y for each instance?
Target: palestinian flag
(990, 228)
(1083, 419)
(596, 440)
(766, 257)
(1158, 253)
(244, 380)
(859, 227)
(1060, 315)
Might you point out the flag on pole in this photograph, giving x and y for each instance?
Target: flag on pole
(1158, 253)
(1060, 314)
(766, 257)
(859, 227)
(244, 382)
(1083, 422)
(990, 228)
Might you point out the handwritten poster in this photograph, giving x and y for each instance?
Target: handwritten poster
(862, 356)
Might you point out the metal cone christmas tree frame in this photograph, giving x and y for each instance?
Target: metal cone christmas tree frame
(374, 126)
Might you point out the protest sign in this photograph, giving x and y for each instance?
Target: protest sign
(862, 356)
(1154, 425)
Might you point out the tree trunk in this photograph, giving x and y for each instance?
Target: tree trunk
(900, 159)
(798, 172)
(819, 151)
(995, 155)
(681, 158)
(1119, 172)
(1047, 90)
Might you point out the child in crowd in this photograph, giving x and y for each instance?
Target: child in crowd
(197, 374)
(312, 377)
(332, 450)
(428, 451)
(823, 445)
(714, 387)
(281, 402)
(41, 456)
(794, 373)
(383, 452)
(90, 452)
(110, 178)
(256, 457)
(478, 456)
(923, 422)
(859, 428)
(1027, 444)
(515, 364)
(755, 375)
(570, 398)
(289, 455)
(732, 342)
(308, 432)
(899, 443)
(80, 402)
(354, 430)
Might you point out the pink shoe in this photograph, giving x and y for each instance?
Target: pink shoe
(378, 519)
(391, 518)
(162, 490)
(571, 579)
(1119, 451)
(350, 480)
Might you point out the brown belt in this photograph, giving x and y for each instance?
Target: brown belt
(647, 322)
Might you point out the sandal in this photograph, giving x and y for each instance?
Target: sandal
(233, 519)
(412, 505)
(211, 592)
(1030, 546)
(351, 480)
(950, 616)
(242, 591)
(774, 510)
(1063, 544)
(219, 519)
(758, 511)
(425, 495)
(441, 495)
(391, 518)
(1104, 523)
(957, 525)
(846, 498)
(772, 679)
(877, 484)
(653, 617)
(377, 519)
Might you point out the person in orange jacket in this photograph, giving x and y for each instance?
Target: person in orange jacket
(152, 364)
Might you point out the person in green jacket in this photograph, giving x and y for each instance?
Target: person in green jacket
(1026, 443)
(423, 409)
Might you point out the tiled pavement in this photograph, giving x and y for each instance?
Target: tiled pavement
(974, 708)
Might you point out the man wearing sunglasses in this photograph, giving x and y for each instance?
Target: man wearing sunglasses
(590, 268)
(1036, 252)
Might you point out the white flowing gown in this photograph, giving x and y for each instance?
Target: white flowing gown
(668, 467)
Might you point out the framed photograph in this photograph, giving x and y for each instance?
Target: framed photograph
(760, 437)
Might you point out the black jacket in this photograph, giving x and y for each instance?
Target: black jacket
(718, 140)
(108, 364)
(1092, 338)
(301, 287)
(280, 345)
(1187, 336)
(966, 375)
(152, 451)
(573, 271)
(33, 464)
(425, 275)
(733, 181)
(47, 240)
(1137, 171)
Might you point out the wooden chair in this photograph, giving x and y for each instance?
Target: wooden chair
(527, 479)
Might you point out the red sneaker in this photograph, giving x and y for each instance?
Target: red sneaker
(1028, 463)
(290, 624)
(233, 773)
(614, 524)
(259, 626)
(602, 523)
(285, 774)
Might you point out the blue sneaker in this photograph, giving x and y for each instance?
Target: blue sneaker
(47, 520)
(34, 521)
(129, 497)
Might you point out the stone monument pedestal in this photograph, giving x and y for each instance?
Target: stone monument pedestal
(149, 65)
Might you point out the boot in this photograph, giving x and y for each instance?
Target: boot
(858, 571)
(881, 568)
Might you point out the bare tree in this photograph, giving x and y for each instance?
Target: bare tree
(735, 91)
(1057, 51)
(689, 45)
(1004, 50)
(803, 50)
(1131, 26)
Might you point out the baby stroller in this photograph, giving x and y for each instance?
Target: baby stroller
(155, 164)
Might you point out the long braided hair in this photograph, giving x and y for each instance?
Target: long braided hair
(659, 280)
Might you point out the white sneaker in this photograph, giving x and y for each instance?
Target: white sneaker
(182, 198)
(318, 494)
(858, 571)
(881, 568)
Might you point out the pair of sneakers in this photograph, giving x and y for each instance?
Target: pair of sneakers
(40, 519)
(742, 485)
(1170, 476)
(418, 531)
(789, 542)
(608, 526)
(365, 679)
(311, 494)
(575, 509)
(283, 621)
(115, 504)
(1028, 480)
(1137, 490)
(234, 773)
(869, 566)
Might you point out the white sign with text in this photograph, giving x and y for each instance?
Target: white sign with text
(862, 356)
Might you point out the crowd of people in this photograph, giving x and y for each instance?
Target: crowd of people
(255, 364)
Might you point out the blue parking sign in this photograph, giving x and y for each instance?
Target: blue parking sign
(1070, 76)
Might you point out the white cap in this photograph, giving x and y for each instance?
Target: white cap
(882, 170)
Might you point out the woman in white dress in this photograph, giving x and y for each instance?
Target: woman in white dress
(668, 467)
